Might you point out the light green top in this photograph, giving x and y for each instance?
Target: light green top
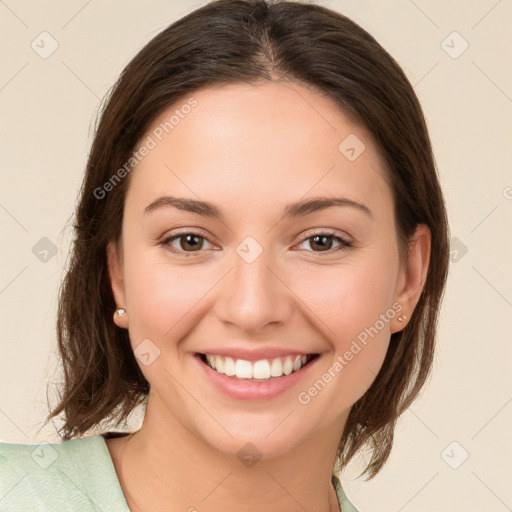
(75, 475)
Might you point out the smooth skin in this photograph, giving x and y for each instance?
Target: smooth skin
(251, 150)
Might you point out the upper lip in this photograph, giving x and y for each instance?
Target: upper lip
(255, 354)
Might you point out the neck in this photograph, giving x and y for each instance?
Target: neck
(170, 469)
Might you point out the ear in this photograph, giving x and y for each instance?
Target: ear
(412, 277)
(115, 273)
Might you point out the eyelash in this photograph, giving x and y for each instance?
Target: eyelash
(346, 244)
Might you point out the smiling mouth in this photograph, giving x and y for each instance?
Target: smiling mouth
(262, 370)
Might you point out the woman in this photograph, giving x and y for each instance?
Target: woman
(261, 214)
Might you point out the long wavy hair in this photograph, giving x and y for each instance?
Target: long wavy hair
(247, 41)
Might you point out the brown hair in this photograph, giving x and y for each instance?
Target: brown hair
(247, 41)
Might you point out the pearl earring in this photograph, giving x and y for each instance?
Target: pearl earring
(401, 318)
(119, 313)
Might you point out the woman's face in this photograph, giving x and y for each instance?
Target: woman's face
(252, 275)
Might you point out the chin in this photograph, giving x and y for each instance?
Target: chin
(257, 437)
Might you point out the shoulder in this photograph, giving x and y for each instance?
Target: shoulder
(72, 475)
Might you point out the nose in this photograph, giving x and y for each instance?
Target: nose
(254, 294)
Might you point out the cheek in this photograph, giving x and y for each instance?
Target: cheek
(348, 297)
(352, 304)
(162, 296)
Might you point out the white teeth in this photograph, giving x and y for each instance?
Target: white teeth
(243, 369)
(229, 366)
(276, 368)
(288, 366)
(219, 364)
(261, 370)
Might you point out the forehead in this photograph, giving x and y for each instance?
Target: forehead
(261, 141)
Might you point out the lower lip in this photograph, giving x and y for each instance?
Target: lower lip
(245, 389)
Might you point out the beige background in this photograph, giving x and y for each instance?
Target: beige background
(47, 111)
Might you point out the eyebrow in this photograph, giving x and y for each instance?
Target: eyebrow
(293, 210)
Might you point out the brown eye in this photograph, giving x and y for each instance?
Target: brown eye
(190, 242)
(323, 242)
(185, 243)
